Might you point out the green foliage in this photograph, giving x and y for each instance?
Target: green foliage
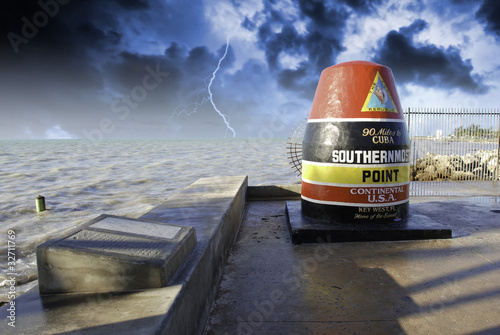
(475, 131)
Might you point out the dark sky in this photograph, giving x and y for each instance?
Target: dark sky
(137, 68)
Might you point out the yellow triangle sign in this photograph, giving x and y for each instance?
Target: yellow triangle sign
(379, 99)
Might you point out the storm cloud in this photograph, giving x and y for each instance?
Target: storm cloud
(146, 65)
(427, 64)
(489, 12)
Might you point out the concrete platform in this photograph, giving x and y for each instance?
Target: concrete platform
(443, 286)
(307, 230)
(268, 285)
(113, 254)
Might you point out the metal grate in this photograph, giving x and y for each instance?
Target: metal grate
(294, 147)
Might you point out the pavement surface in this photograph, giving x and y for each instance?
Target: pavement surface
(246, 277)
(446, 286)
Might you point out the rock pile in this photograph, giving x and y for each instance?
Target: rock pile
(482, 165)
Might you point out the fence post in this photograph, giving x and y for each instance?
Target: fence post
(408, 123)
(498, 148)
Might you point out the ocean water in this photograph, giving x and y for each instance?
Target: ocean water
(81, 179)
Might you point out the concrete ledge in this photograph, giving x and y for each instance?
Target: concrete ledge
(214, 207)
(113, 254)
(307, 230)
(274, 192)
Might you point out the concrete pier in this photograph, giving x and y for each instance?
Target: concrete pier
(244, 276)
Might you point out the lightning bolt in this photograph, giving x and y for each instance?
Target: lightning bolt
(184, 108)
(209, 88)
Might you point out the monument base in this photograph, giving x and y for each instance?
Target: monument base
(308, 230)
(333, 213)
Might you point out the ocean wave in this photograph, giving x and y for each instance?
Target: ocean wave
(16, 175)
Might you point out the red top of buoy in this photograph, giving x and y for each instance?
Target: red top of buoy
(357, 89)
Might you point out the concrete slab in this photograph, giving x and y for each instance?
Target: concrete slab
(307, 230)
(113, 254)
(441, 286)
(130, 313)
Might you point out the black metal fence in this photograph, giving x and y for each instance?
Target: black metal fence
(454, 144)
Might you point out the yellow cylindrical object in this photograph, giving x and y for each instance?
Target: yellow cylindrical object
(40, 204)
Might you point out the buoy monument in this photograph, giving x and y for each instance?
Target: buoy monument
(356, 163)
(356, 147)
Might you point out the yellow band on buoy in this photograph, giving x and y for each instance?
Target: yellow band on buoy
(355, 175)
